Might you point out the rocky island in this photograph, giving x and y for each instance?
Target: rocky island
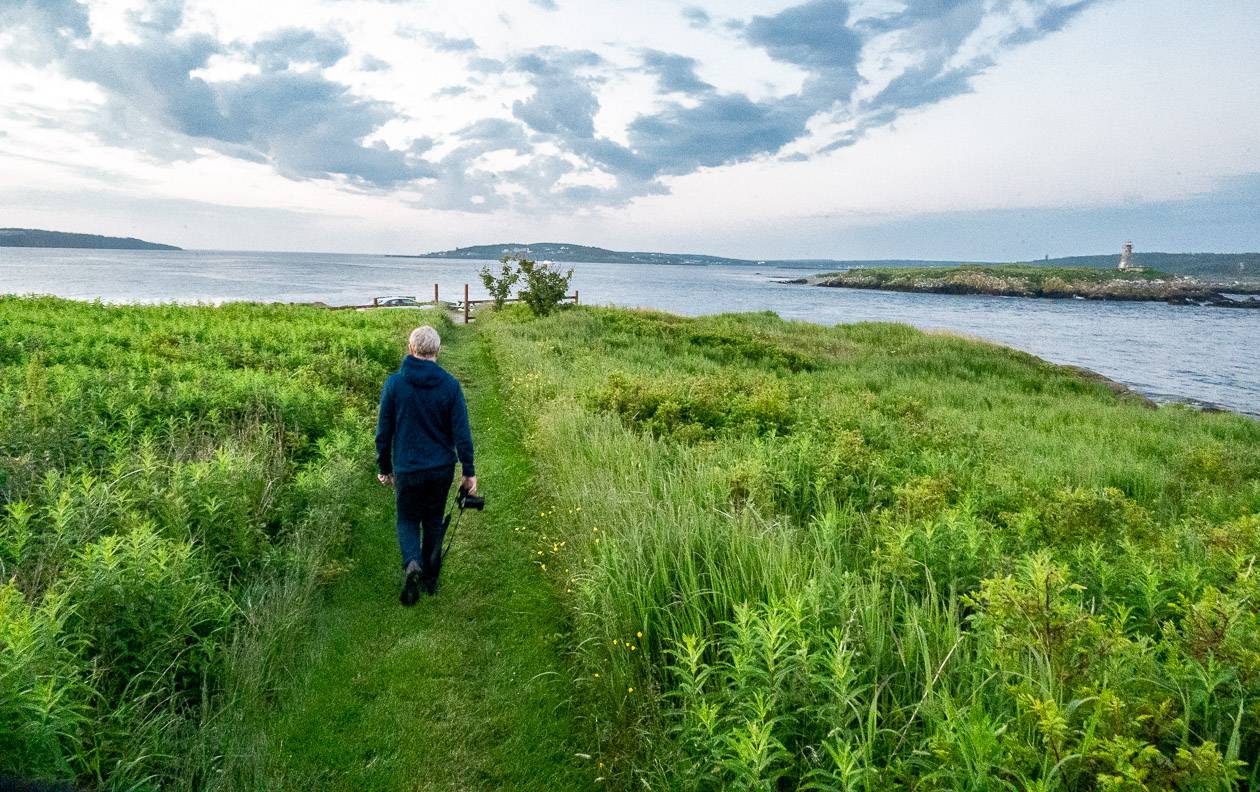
(1016, 280)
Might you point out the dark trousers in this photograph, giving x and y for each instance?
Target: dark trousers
(421, 500)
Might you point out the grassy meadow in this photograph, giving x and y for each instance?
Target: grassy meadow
(175, 482)
(867, 557)
(721, 553)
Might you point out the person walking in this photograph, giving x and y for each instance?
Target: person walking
(421, 431)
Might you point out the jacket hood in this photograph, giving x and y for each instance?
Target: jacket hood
(421, 373)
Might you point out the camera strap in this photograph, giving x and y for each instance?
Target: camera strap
(449, 528)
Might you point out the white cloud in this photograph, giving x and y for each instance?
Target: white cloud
(1132, 101)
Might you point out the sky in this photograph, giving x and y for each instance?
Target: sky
(937, 129)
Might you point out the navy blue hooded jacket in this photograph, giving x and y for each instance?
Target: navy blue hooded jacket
(423, 421)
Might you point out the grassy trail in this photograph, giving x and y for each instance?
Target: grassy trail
(465, 690)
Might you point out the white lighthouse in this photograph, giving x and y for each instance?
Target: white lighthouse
(1126, 258)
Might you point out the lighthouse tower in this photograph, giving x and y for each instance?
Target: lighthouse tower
(1126, 257)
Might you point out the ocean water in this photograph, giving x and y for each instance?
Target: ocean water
(1170, 353)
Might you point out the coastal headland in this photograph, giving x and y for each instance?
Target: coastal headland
(1018, 280)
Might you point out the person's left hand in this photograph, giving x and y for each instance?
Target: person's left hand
(387, 480)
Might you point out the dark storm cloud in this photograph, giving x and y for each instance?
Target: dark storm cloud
(675, 73)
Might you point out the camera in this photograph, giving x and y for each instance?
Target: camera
(470, 501)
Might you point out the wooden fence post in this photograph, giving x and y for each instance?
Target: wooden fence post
(435, 295)
(576, 294)
(465, 303)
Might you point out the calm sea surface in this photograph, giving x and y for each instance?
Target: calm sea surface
(1207, 355)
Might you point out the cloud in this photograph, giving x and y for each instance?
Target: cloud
(303, 124)
(485, 65)
(816, 37)
(813, 35)
(291, 115)
(296, 45)
(696, 16)
(445, 43)
(720, 129)
(931, 37)
(675, 73)
(546, 5)
(42, 28)
(564, 101)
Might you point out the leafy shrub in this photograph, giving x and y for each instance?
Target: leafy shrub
(148, 611)
(698, 408)
(546, 285)
(42, 697)
(500, 286)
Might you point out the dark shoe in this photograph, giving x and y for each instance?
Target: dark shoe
(411, 588)
(430, 586)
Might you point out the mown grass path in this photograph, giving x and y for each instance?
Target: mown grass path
(464, 691)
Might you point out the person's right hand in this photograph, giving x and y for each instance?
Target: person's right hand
(387, 480)
(469, 484)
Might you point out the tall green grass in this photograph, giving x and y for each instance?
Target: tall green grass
(174, 484)
(865, 557)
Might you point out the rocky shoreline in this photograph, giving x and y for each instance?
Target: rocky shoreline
(1172, 290)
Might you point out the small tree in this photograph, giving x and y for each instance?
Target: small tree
(500, 286)
(545, 285)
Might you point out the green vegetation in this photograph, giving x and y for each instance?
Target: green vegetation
(790, 557)
(500, 286)
(1212, 266)
(545, 287)
(174, 482)
(1036, 277)
(1019, 280)
(866, 557)
(467, 690)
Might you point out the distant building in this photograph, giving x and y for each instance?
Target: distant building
(1126, 259)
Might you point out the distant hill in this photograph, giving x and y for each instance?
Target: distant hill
(1242, 266)
(36, 238)
(567, 252)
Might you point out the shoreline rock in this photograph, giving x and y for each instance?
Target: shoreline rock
(1175, 291)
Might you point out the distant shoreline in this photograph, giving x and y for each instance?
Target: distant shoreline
(1044, 283)
(64, 240)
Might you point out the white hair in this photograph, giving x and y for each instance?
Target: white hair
(424, 342)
